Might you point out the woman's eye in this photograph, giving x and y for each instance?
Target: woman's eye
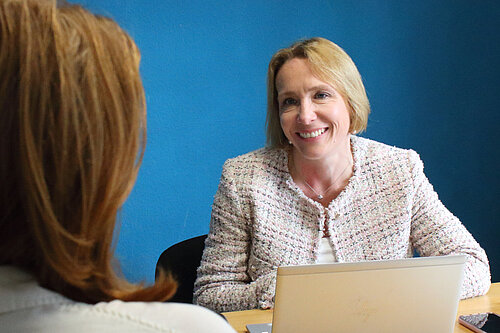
(322, 95)
(289, 101)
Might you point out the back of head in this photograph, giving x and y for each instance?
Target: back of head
(73, 126)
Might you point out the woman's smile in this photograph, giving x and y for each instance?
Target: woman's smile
(314, 134)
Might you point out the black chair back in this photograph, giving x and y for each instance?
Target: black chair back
(182, 260)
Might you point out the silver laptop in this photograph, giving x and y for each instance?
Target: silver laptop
(406, 295)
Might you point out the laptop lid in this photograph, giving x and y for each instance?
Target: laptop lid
(406, 295)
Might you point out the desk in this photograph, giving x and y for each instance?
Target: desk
(487, 303)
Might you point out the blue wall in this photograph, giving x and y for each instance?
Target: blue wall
(431, 69)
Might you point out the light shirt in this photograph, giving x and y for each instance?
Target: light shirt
(326, 254)
(27, 307)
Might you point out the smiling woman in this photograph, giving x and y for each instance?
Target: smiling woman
(319, 193)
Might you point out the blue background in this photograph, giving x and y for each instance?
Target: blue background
(430, 67)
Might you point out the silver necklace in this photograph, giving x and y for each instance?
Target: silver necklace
(320, 196)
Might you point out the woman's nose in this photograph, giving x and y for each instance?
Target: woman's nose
(307, 113)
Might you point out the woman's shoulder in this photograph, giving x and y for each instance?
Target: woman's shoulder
(376, 157)
(263, 159)
(177, 317)
(371, 150)
(117, 316)
(31, 307)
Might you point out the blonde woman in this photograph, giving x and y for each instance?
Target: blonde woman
(320, 194)
(73, 130)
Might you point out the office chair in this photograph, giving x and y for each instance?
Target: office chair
(182, 260)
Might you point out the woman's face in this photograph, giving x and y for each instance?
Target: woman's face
(313, 115)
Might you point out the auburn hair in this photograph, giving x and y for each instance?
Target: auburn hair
(73, 131)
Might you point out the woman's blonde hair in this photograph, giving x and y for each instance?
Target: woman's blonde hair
(72, 122)
(329, 63)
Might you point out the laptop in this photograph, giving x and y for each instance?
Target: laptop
(403, 295)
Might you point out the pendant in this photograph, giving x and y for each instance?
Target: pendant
(320, 197)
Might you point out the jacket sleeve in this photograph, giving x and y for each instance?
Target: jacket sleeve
(436, 231)
(223, 282)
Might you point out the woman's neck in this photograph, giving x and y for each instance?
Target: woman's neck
(325, 177)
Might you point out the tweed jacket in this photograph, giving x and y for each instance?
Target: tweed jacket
(261, 220)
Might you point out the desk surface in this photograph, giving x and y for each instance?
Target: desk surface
(487, 303)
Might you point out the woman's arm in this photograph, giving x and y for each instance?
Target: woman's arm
(223, 282)
(436, 231)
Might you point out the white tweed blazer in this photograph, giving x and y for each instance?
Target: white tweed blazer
(261, 220)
